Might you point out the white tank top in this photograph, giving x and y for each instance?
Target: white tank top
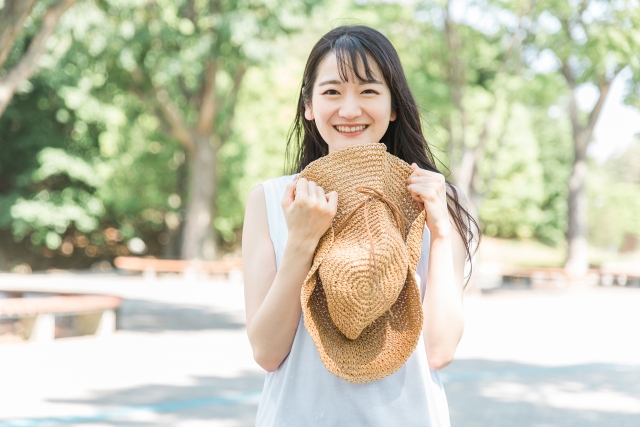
(303, 393)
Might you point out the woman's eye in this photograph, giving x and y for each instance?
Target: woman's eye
(370, 91)
(330, 92)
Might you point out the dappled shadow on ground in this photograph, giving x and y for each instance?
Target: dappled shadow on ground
(151, 316)
(481, 393)
(207, 401)
(485, 393)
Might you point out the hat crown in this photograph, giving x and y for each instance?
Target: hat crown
(359, 289)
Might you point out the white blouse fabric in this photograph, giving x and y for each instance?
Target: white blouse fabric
(302, 392)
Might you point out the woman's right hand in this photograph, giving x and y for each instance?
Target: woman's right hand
(308, 211)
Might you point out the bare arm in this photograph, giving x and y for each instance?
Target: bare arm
(442, 306)
(272, 298)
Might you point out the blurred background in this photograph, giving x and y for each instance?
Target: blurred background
(132, 131)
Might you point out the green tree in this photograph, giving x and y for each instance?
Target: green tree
(614, 199)
(480, 102)
(128, 99)
(13, 15)
(66, 194)
(185, 62)
(592, 41)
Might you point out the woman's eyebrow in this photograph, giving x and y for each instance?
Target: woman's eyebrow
(338, 82)
(370, 82)
(330, 82)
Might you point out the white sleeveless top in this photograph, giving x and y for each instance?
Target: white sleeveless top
(303, 393)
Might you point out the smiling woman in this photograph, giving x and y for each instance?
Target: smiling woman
(337, 259)
(347, 109)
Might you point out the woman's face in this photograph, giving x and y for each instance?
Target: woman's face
(352, 112)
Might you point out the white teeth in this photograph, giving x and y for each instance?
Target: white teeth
(349, 129)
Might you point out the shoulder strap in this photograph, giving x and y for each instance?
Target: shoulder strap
(273, 193)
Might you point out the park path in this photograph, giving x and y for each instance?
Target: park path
(527, 359)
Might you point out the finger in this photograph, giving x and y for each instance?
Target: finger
(426, 193)
(415, 196)
(422, 175)
(414, 190)
(332, 200)
(322, 198)
(290, 192)
(301, 189)
(421, 179)
(414, 169)
(312, 190)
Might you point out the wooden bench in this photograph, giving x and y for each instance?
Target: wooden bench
(624, 274)
(506, 277)
(232, 268)
(546, 275)
(95, 314)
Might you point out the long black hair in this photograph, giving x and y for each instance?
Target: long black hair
(353, 45)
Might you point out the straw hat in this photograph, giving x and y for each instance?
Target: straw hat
(360, 300)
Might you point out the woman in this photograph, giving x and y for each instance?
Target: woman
(354, 92)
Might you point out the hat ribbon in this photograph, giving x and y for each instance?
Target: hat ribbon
(400, 221)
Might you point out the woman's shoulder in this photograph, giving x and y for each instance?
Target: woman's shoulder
(280, 181)
(271, 184)
(275, 187)
(268, 190)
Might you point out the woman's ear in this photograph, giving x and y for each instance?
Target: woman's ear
(308, 112)
(393, 116)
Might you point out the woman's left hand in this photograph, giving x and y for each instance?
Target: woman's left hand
(428, 189)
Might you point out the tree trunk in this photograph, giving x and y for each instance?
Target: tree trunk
(28, 64)
(12, 18)
(577, 262)
(464, 170)
(198, 237)
(202, 142)
(577, 247)
(456, 124)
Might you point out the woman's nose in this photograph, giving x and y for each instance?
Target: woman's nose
(350, 109)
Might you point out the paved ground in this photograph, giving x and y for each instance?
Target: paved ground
(527, 359)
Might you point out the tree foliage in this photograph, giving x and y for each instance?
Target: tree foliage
(592, 41)
(101, 145)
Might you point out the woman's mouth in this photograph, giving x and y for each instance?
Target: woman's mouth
(350, 129)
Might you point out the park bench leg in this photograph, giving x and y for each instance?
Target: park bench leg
(107, 324)
(190, 274)
(149, 274)
(103, 323)
(40, 328)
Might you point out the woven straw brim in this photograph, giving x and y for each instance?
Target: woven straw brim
(364, 331)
